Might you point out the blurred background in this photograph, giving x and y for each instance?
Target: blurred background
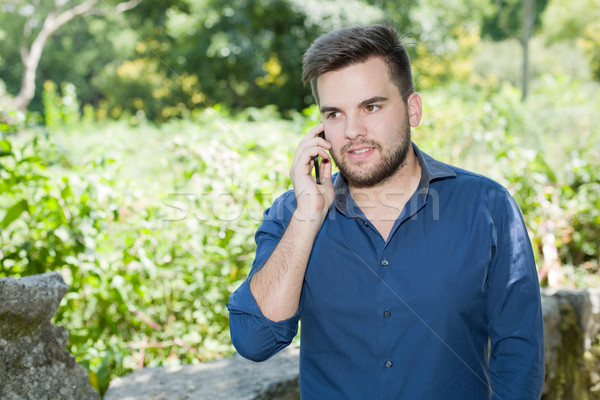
(141, 140)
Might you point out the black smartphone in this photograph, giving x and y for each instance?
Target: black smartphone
(316, 162)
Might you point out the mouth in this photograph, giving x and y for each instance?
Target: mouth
(360, 153)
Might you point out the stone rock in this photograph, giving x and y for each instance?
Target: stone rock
(572, 341)
(233, 378)
(34, 361)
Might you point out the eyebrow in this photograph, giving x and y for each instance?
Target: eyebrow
(364, 103)
(374, 99)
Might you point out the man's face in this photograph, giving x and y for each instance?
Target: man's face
(366, 121)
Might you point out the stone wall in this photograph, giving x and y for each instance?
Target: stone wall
(571, 331)
(35, 364)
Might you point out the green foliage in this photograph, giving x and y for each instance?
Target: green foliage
(79, 51)
(591, 44)
(75, 53)
(446, 36)
(11, 26)
(41, 218)
(557, 59)
(245, 53)
(506, 19)
(60, 111)
(141, 87)
(545, 151)
(564, 21)
(151, 245)
(163, 59)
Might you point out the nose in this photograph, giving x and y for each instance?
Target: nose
(355, 128)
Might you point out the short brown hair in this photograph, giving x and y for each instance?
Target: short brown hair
(353, 45)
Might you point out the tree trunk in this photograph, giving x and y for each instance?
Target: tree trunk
(528, 9)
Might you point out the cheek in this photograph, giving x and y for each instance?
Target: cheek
(390, 130)
(334, 134)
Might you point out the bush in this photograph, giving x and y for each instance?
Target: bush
(152, 244)
(545, 150)
(504, 60)
(60, 111)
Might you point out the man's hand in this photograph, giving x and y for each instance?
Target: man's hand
(313, 200)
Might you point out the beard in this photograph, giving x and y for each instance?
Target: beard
(393, 157)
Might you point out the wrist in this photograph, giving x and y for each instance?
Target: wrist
(309, 215)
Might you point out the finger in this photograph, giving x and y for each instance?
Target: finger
(325, 169)
(314, 132)
(307, 151)
(317, 151)
(323, 143)
(304, 163)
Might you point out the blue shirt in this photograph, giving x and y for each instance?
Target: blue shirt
(447, 308)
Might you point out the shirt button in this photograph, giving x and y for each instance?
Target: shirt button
(385, 262)
(388, 364)
(387, 314)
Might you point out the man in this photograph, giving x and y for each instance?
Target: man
(413, 279)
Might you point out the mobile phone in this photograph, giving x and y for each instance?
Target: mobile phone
(316, 162)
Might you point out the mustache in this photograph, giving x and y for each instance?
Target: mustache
(364, 142)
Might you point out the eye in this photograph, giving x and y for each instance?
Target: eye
(333, 115)
(372, 108)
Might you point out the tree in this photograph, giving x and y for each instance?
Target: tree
(60, 13)
(515, 18)
(446, 33)
(563, 20)
(249, 53)
(170, 57)
(239, 53)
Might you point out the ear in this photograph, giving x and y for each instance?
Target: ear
(415, 109)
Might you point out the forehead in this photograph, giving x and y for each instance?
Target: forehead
(356, 82)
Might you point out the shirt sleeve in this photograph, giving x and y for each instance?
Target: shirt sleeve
(514, 312)
(253, 335)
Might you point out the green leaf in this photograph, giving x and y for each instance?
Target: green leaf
(6, 185)
(14, 212)
(5, 148)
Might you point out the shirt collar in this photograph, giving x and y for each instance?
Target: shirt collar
(431, 169)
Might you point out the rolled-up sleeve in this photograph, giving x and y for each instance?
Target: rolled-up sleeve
(515, 319)
(255, 336)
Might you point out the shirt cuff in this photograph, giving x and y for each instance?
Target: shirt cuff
(255, 336)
